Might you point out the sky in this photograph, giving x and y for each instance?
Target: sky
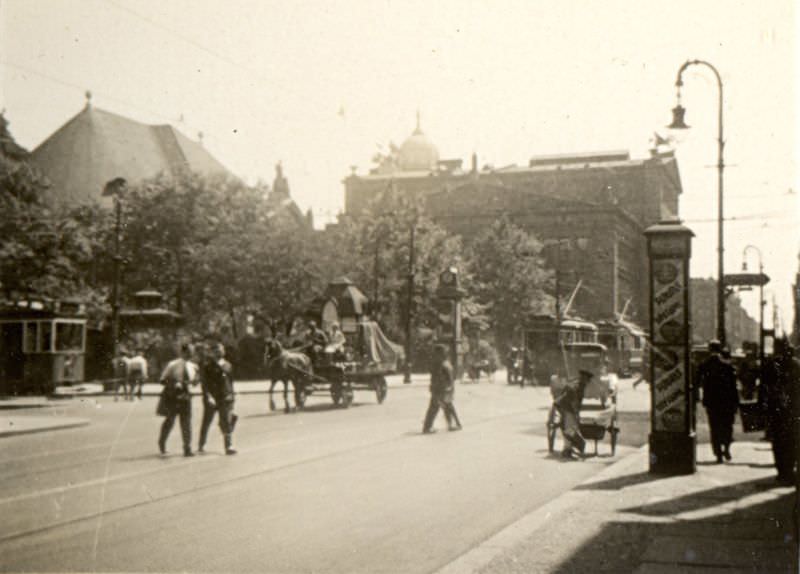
(322, 86)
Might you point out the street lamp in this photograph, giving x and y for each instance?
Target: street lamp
(761, 301)
(116, 188)
(678, 122)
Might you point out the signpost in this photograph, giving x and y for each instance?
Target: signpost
(672, 434)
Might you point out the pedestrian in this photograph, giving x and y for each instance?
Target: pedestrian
(218, 397)
(315, 341)
(119, 365)
(784, 372)
(137, 372)
(569, 403)
(717, 378)
(442, 390)
(177, 377)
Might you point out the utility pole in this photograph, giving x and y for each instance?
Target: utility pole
(410, 301)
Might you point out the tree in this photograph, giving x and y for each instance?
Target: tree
(508, 277)
(46, 251)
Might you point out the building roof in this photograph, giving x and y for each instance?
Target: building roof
(96, 146)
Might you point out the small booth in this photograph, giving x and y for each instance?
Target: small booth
(150, 327)
(42, 345)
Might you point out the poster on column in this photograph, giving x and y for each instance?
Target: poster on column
(670, 323)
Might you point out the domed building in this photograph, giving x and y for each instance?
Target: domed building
(418, 153)
(589, 208)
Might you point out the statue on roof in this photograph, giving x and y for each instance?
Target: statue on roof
(281, 184)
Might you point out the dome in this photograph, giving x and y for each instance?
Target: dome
(418, 152)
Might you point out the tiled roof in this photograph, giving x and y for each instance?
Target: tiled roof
(97, 146)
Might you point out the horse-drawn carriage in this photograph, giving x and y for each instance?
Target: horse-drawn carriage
(362, 363)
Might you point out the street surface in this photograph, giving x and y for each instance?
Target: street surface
(324, 490)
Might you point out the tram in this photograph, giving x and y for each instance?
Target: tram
(625, 342)
(545, 339)
(42, 345)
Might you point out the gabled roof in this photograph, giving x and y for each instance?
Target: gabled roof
(97, 146)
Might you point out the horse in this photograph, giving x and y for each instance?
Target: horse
(288, 366)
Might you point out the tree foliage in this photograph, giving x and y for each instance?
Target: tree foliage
(508, 276)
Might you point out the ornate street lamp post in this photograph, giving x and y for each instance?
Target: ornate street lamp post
(678, 122)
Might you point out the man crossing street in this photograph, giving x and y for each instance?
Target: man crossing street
(218, 396)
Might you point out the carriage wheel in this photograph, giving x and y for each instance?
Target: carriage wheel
(381, 389)
(336, 393)
(347, 396)
(552, 430)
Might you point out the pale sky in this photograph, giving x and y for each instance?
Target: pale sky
(319, 85)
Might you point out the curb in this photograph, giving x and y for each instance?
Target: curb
(516, 532)
(61, 426)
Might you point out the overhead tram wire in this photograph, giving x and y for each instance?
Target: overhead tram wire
(216, 54)
(68, 84)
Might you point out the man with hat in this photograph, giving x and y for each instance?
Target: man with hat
(218, 396)
(442, 390)
(569, 404)
(717, 379)
(176, 378)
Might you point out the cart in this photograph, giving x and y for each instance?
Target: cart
(363, 365)
(594, 425)
(595, 420)
(341, 378)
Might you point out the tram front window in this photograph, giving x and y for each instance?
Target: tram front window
(69, 337)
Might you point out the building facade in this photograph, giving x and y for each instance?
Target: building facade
(589, 209)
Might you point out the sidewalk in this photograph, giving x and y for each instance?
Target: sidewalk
(731, 516)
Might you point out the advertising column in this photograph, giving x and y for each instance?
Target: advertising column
(672, 435)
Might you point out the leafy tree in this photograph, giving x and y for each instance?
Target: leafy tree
(46, 251)
(508, 277)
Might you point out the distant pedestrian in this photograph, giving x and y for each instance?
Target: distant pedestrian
(784, 374)
(216, 376)
(717, 378)
(442, 391)
(569, 403)
(137, 373)
(178, 376)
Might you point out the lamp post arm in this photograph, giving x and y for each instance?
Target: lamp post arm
(720, 169)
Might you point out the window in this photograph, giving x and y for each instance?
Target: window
(45, 337)
(31, 336)
(69, 337)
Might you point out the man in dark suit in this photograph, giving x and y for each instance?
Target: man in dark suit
(442, 389)
(218, 397)
(177, 377)
(720, 398)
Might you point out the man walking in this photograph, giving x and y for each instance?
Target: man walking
(717, 378)
(218, 397)
(784, 374)
(176, 378)
(137, 373)
(442, 390)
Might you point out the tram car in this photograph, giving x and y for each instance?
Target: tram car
(545, 338)
(42, 346)
(625, 342)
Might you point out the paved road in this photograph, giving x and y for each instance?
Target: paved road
(325, 490)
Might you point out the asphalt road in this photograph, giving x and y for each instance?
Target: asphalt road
(324, 490)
